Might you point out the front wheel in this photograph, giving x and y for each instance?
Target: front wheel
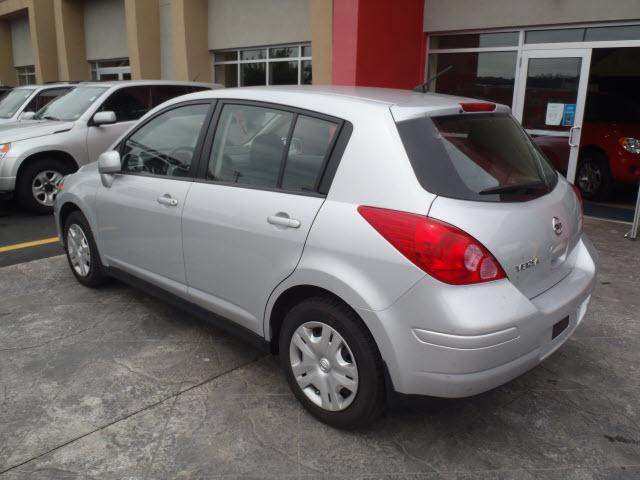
(82, 252)
(332, 363)
(39, 183)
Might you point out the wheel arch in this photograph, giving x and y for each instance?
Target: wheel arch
(292, 296)
(60, 155)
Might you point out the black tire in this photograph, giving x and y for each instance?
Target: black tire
(593, 176)
(95, 275)
(369, 400)
(28, 175)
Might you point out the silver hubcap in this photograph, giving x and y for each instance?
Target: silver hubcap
(45, 187)
(79, 251)
(589, 177)
(324, 366)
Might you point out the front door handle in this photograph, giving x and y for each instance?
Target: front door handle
(167, 200)
(283, 220)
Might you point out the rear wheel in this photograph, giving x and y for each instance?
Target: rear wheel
(39, 183)
(332, 363)
(593, 176)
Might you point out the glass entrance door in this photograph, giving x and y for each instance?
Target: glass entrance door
(550, 99)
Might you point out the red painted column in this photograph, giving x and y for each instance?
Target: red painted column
(378, 43)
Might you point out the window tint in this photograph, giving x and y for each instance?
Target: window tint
(249, 145)
(473, 156)
(161, 94)
(44, 97)
(166, 144)
(129, 103)
(310, 145)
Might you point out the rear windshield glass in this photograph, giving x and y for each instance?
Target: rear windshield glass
(481, 157)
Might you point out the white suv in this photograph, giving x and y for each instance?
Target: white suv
(71, 131)
(26, 101)
(380, 240)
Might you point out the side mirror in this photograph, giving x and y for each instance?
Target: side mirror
(108, 164)
(104, 118)
(27, 115)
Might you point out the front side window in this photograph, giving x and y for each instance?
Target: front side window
(71, 106)
(278, 65)
(249, 145)
(12, 101)
(128, 104)
(480, 157)
(166, 144)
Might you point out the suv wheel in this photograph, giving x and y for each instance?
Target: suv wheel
(332, 363)
(593, 176)
(38, 184)
(82, 252)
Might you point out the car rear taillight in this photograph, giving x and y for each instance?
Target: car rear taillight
(576, 190)
(478, 107)
(443, 251)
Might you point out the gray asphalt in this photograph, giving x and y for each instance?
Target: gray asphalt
(18, 226)
(112, 384)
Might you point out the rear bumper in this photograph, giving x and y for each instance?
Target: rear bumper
(460, 341)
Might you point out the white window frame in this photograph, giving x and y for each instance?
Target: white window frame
(97, 71)
(522, 47)
(26, 75)
(267, 60)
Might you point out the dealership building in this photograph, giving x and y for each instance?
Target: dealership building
(549, 60)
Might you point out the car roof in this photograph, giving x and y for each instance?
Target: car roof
(136, 83)
(404, 103)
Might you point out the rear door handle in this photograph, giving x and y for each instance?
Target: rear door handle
(167, 200)
(283, 221)
(573, 130)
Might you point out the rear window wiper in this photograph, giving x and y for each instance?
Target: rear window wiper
(515, 188)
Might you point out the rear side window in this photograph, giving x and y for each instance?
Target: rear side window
(481, 157)
(308, 150)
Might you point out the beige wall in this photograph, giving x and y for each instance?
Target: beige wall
(7, 72)
(246, 23)
(321, 40)
(443, 15)
(70, 39)
(189, 33)
(143, 34)
(43, 40)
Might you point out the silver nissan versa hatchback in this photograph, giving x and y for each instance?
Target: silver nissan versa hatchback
(381, 242)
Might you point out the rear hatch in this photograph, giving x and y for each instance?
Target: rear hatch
(493, 183)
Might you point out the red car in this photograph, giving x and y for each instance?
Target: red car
(609, 146)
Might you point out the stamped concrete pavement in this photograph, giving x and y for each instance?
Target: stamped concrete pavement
(113, 384)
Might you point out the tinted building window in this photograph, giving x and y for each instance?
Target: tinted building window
(278, 65)
(484, 75)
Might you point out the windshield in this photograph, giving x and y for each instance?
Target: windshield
(69, 107)
(481, 157)
(10, 104)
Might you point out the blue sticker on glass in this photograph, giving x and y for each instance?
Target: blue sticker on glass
(569, 114)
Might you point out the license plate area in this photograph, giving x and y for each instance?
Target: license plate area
(559, 327)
